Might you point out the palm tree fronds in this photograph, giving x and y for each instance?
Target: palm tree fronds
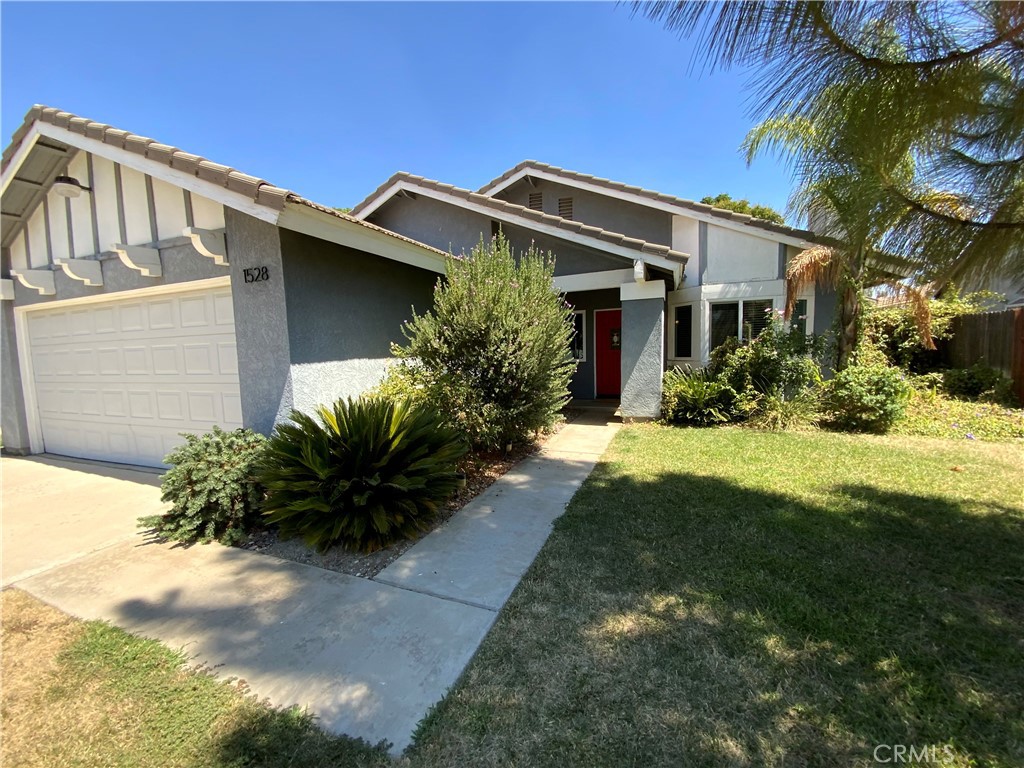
(817, 265)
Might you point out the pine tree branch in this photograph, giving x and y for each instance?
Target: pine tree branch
(1010, 35)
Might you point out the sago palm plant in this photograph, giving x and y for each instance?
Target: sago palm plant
(363, 473)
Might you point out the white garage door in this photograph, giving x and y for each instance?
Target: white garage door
(119, 380)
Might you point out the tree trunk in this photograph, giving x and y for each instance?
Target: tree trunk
(849, 310)
(849, 314)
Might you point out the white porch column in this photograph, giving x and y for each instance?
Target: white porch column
(643, 349)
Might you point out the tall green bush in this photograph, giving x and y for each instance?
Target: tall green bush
(493, 354)
(867, 398)
(363, 473)
(212, 488)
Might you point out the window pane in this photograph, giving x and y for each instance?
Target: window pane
(684, 331)
(725, 323)
(799, 318)
(577, 344)
(756, 317)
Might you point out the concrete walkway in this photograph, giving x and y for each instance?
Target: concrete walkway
(368, 657)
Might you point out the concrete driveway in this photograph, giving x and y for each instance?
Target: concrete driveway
(53, 511)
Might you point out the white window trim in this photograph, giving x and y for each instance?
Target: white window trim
(739, 302)
(583, 333)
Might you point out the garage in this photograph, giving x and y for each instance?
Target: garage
(119, 380)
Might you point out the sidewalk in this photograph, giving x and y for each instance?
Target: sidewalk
(368, 657)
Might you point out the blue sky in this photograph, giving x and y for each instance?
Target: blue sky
(329, 99)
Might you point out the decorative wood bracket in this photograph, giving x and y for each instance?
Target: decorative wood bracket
(88, 271)
(37, 279)
(138, 257)
(6, 290)
(209, 243)
(639, 271)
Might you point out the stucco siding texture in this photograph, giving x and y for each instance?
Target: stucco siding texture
(641, 222)
(12, 422)
(261, 323)
(458, 231)
(345, 309)
(581, 386)
(643, 355)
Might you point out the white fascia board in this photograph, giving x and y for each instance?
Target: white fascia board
(631, 197)
(382, 198)
(309, 221)
(630, 254)
(636, 291)
(593, 281)
(160, 171)
(23, 152)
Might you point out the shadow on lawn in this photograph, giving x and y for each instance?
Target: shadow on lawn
(688, 620)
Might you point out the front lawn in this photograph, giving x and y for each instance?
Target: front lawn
(730, 597)
(87, 694)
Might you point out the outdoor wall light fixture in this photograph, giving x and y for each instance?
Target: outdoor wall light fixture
(68, 186)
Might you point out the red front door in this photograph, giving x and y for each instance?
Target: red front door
(608, 348)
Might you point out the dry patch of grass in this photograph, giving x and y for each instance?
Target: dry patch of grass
(88, 694)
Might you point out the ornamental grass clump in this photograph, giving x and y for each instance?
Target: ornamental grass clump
(492, 356)
(212, 488)
(362, 473)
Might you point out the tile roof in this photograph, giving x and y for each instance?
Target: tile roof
(259, 190)
(527, 215)
(617, 186)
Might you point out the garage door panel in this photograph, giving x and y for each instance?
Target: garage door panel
(120, 380)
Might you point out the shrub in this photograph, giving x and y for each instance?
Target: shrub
(696, 397)
(212, 488)
(364, 474)
(867, 398)
(979, 382)
(894, 332)
(494, 351)
(778, 412)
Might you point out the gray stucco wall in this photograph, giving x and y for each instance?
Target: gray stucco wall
(458, 230)
(261, 322)
(344, 311)
(12, 414)
(643, 357)
(597, 210)
(582, 384)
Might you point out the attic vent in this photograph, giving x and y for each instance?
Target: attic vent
(536, 201)
(565, 207)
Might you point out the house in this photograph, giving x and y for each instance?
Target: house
(655, 280)
(149, 292)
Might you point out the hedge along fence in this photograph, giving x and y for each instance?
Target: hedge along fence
(993, 338)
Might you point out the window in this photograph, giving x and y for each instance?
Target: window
(565, 207)
(799, 318)
(756, 317)
(536, 201)
(725, 320)
(725, 323)
(683, 324)
(578, 345)
(495, 229)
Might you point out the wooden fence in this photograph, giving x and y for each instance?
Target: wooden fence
(992, 338)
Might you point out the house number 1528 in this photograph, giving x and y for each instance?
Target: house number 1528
(255, 274)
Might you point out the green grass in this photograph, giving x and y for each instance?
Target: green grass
(732, 597)
(108, 698)
(932, 414)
